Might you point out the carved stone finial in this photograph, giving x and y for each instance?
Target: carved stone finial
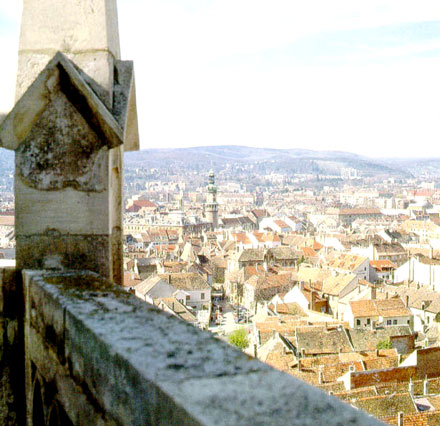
(75, 114)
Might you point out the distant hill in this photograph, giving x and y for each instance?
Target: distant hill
(267, 160)
(416, 166)
(264, 160)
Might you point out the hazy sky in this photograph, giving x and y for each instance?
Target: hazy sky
(353, 75)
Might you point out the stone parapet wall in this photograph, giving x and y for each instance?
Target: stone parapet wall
(12, 396)
(97, 355)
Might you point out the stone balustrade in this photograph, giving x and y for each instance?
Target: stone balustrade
(95, 354)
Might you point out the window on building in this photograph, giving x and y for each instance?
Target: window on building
(388, 322)
(187, 298)
(358, 322)
(395, 322)
(368, 321)
(202, 296)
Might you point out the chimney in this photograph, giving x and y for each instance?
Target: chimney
(400, 418)
(411, 387)
(320, 377)
(431, 252)
(169, 278)
(373, 293)
(425, 386)
(351, 369)
(303, 353)
(299, 365)
(255, 350)
(386, 295)
(406, 300)
(377, 352)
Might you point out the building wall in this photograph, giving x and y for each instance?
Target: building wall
(295, 295)
(195, 298)
(413, 270)
(390, 321)
(363, 270)
(248, 296)
(364, 322)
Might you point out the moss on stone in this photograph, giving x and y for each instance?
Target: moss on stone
(83, 282)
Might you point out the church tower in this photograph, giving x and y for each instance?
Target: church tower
(211, 206)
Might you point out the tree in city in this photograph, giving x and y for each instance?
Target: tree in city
(239, 338)
(384, 344)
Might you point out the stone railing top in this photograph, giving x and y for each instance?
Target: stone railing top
(143, 366)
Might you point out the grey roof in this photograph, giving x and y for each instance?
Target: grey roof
(237, 221)
(147, 287)
(146, 261)
(416, 297)
(367, 339)
(393, 234)
(389, 248)
(178, 308)
(318, 340)
(187, 281)
(248, 255)
(283, 253)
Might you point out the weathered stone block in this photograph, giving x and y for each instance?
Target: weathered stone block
(54, 250)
